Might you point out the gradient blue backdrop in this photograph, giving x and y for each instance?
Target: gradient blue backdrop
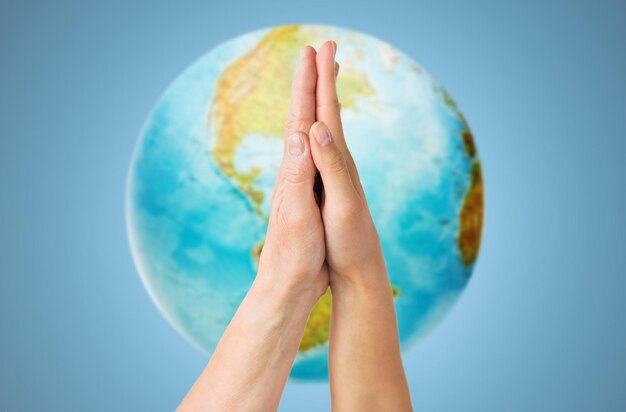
(542, 324)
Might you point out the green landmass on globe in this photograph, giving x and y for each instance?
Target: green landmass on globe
(204, 168)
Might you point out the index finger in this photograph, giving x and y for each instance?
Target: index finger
(328, 106)
(302, 112)
(302, 109)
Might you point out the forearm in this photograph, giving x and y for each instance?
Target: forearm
(366, 371)
(251, 363)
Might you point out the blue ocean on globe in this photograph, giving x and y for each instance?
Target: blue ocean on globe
(203, 170)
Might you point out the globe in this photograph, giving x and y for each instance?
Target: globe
(202, 173)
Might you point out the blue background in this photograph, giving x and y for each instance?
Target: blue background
(543, 85)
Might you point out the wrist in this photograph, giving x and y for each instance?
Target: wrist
(281, 293)
(371, 283)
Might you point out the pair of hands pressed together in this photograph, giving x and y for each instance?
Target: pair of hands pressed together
(312, 243)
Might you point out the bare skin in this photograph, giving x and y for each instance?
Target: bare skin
(366, 372)
(307, 249)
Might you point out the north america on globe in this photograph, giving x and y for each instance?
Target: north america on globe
(204, 167)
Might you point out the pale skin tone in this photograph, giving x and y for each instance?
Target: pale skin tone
(311, 244)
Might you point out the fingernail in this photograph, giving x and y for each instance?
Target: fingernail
(295, 144)
(334, 48)
(322, 134)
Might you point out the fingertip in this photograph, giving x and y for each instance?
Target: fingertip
(313, 130)
(298, 143)
(330, 47)
(303, 84)
(298, 165)
(307, 52)
(326, 55)
(326, 93)
(295, 144)
(331, 162)
(306, 66)
(321, 133)
(307, 61)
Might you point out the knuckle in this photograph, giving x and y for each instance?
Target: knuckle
(295, 122)
(288, 216)
(329, 104)
(293, 174)
(336, 163)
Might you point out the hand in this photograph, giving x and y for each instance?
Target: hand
(251, 363)
(365, 365)
(353, 250)
(294, 251)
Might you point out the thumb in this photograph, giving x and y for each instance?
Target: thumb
(331, 163)
(297, 169)
(293, 198)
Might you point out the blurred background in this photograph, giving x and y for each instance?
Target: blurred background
(542, 323)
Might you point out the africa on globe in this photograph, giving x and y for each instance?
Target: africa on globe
(204, 167)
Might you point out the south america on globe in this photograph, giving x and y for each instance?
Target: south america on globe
(204, 167)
